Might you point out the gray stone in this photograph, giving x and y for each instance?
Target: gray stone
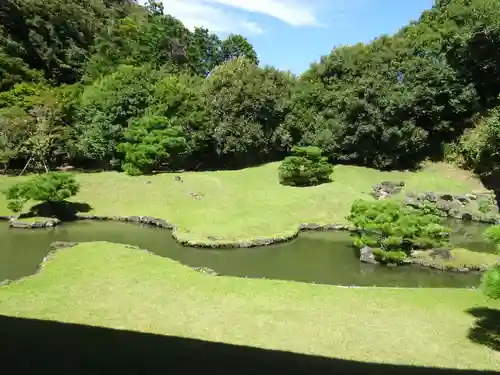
(215, 238)
(206, 271)
(446, 197)
(63, 244)
(391, 265)
(467, 216)
(366, 255)
(442, 253)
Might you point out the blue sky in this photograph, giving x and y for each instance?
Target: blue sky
(290, 34)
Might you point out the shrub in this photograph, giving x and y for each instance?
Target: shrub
(390, 226)
(493, 234)
(305, 168)
(386, 257)
(49, 187)
(490, 282)
(151, 142)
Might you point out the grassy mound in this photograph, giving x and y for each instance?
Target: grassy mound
(249, 203)
(110, 285)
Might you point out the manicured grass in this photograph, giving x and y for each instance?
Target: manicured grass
(461, 258)
(250, 203)
(114, 286)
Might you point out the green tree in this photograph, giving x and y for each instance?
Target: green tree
(305, 168)
(390, 226)
(152, 142)
(50, 187)
(106, 107)
(245, 106)
(235, 46)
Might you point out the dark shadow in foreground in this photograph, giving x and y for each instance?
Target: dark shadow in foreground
(486, 330)
(63, 210)
(43, 347)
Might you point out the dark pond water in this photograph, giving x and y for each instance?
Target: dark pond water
(318, 257)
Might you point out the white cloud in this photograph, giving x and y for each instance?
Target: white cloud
(288, 11)
(226, 16)
(197, 13)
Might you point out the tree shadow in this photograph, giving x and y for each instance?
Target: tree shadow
(486, 330)
(491, 181)
(48, 347)
(62, 210)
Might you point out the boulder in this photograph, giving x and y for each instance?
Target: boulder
(442, 253)
(366, 255)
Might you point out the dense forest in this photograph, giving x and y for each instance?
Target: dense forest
(113, 84)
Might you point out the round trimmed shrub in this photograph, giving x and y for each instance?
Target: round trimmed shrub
(306, 167)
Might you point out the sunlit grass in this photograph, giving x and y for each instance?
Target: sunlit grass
(114, 286)
(248, 203)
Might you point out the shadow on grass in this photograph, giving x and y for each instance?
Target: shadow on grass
(46, 347)
(63, 210)
(486, 330)
(492, 182)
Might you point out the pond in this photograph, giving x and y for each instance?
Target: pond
(314, 257)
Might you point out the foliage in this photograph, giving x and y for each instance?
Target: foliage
(48, 187)
(305, 168)
(387, 257)
(390, 103)
(479, 147)
(53, 37)
(245, 106)
(237, 46)
(107, 105)
(151, 142)
(490, 282)
(493, 234)
(390, 226)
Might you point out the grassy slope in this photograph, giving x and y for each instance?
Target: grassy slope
(249, 203)
(143, 292)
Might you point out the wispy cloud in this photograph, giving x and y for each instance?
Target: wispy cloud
(292, 12)
(225, 16)
(196, 13)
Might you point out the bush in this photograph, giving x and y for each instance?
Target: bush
(490, 282)
(493, 234)
(386, 257)
(49, 187)
(305, 168)
(390, 226)
(151, 142)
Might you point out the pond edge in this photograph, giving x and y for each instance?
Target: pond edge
(218, 242)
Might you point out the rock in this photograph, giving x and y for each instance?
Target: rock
(391, 265)
(366, 255)
(467, 216)
(310, 226)
(215, 238)
(206, 271)
(442, 253)
(462, 199)
(178, 178)
(462, 269)
(471, 197)
(63, 244)
(446, 197)
(134, 219)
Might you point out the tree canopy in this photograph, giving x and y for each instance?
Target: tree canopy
(128, 86)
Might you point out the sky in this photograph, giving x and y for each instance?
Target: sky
(291, 34)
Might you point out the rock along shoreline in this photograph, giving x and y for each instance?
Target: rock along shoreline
(210, 242)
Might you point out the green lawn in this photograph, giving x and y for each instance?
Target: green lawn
(114, 286)
(250, 203)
